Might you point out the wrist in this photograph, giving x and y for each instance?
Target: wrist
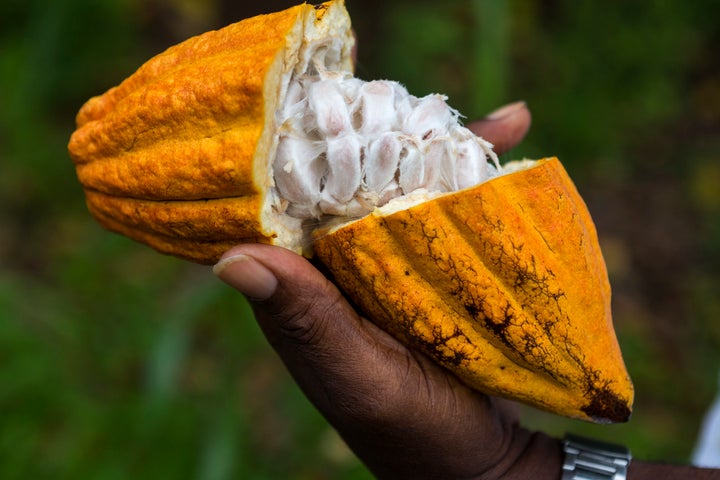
(640, 470)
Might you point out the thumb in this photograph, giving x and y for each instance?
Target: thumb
(292, 301)
(324, 343)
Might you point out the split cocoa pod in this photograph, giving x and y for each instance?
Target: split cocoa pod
(259, 132)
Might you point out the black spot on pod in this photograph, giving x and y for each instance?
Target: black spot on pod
(607, 407)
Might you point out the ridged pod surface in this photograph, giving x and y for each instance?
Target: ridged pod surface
(502, 283)
(178, 156)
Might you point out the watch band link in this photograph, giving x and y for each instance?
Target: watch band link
(589, 459)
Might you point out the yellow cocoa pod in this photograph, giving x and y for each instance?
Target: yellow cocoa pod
(179, 155)
(258, 132)
(503, 283)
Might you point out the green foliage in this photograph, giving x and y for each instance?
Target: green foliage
(116, 362)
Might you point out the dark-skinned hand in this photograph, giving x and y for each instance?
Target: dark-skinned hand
(403, 416)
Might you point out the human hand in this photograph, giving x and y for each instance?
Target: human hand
(403, 415)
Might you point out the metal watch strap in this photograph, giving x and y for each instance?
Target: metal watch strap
(589, 459)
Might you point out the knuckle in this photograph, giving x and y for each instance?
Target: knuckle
(305, 320)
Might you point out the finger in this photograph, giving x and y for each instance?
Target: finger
(505, 128)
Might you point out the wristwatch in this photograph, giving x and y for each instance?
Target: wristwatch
(589, 459)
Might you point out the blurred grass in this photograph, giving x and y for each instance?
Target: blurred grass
(117, 362)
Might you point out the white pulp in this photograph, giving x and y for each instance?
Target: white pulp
(347, 146)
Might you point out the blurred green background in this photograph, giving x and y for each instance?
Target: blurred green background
(117, 362)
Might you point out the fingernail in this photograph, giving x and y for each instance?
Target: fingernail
(506, 110)
(247, 275)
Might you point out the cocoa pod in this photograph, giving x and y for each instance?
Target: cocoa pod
(502, 282)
